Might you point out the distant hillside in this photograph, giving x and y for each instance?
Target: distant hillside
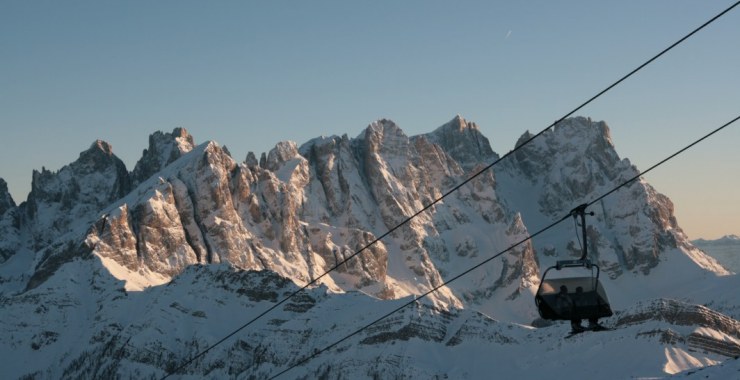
(725, 249)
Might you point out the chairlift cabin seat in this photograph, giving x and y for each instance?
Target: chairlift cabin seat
(572, 298)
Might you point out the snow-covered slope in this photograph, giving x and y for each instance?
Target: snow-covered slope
(102, 333)
(107, 272)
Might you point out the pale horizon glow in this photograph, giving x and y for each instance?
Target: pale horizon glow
(249, 75)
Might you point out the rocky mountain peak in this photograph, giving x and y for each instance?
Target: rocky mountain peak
(459, 123)
(577, 130)
(183, 138)
(164, 148)
(75, 193)
(567, 144)
(463, 141)
(384, 137)
(583, 126)
(251, 160)
(383, 126)
(281, 153)
(96, 158)
(574, 163)
(6, 200)
(102, 146)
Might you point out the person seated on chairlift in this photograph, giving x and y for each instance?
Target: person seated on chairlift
(563, 302)
(575, 324)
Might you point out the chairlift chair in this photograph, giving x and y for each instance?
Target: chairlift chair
(573, 298)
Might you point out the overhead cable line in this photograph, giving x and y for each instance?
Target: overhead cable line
(454, 189)
(530, 237)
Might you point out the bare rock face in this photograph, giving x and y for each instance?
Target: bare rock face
(339, 182)
(337, 195)
(116, 238)
(307, 230)
(207, 178)
(289, 174)
(386, 165)
(152, 235)
(186, 217)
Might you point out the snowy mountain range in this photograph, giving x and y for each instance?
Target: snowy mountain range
(106, 273)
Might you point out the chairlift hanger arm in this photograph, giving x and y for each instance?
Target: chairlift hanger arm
(581, 211)
(573, 263)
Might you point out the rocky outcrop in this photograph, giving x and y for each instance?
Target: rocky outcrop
(405, 325)
(680, 313)
(710, 331)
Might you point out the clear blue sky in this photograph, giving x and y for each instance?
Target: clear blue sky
(249, 74)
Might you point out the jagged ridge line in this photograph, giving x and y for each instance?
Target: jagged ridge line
(553, 224)
(481, 171)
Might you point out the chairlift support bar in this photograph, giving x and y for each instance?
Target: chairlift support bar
(581, 211)
(583, 261)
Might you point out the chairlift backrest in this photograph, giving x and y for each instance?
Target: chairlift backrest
(572, 298)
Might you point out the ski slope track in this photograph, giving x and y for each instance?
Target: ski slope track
(110, 273)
